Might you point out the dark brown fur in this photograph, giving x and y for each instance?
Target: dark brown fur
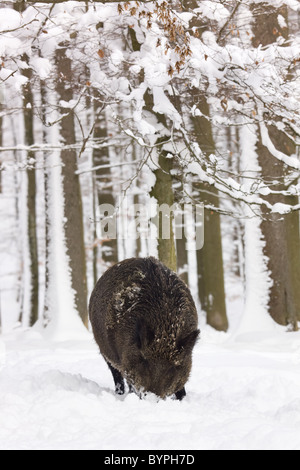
(145, 323)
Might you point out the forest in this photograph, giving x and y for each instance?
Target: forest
(150, 128)
(179, 102)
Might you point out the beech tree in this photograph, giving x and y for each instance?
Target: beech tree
(31, 244)
(210, 258)
(1, 140)
(281, 232)
(74, 234)
(31, 199)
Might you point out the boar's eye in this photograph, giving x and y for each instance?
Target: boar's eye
(187, 343)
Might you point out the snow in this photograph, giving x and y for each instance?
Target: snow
(163, 105)
(291, 161)
(213, 10)
(281, 21)
(9, 19)
(293, 4)
(241, 395)
(42, 67)
(255, 312)
(9, 44)
(257, 280)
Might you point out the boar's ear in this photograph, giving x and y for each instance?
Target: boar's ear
(187, 343)
(144, 335)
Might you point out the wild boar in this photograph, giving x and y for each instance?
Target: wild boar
(145, 323)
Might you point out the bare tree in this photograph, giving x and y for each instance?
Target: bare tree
(281, 232)
(74, 234)
(103, 180)
(210, 258)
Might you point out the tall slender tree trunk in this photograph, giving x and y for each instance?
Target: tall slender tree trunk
(47, 209)
(280, 232)
(162, 191)
(210, 258)
(74, 232)
(1, 140)
(103, 183)
(28, 106)
(1, 144)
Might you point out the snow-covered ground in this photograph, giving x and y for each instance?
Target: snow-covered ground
(243, 394)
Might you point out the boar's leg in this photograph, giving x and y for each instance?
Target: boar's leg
(118, 379)
(131, 389)
(180, 394)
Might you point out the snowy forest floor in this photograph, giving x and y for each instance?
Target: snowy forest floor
(243, 392)
(241, 395)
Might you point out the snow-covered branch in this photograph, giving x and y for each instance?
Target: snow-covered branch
(92, 144)
(110, 165)
(50, 2)
(159, 73)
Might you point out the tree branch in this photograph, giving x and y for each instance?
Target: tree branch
(51, 2)
(5, 31)
(228, 21)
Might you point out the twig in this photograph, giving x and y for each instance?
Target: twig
(228, 21)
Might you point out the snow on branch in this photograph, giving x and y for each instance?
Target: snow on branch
(110, 165)
(150, 67)
(51, 2)
(233, 189)
(290, 161)
(92, 144)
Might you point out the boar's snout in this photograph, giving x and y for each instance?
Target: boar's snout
(158, 377)
(156, 365)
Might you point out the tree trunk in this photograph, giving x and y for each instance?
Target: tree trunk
(33, 306)
(210, 258)
(103, 182)
(282, 242)
(74, 232)
(31, 199)
(281, 232)
(1, 140)
(162, 191)
(47, 208)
